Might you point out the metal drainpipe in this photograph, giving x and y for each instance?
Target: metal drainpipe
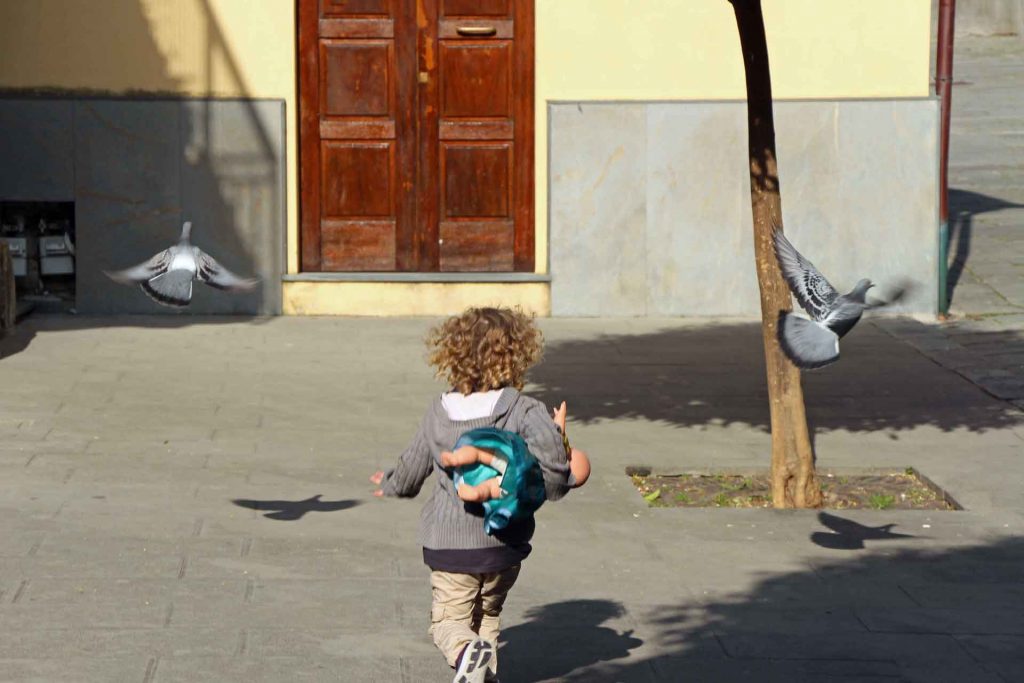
(943, 88)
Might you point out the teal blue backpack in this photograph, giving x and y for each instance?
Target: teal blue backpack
(522, 484)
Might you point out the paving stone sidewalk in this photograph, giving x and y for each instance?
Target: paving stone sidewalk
(984, 337)
(186, 499)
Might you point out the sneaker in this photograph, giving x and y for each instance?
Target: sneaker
(473, 665)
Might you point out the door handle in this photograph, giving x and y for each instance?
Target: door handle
(476, 30)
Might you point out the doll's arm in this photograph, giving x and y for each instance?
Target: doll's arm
(466, 455)
(481, 493)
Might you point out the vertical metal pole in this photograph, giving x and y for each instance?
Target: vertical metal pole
(944, 88)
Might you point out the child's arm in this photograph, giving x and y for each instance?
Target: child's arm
(545, 442)
(414, 466)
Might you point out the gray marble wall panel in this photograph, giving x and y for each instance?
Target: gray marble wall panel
(127, 195)
(598, 210)
(233, 190)
(859, 197)
(141, 167)
(35, 138)
(695, 212)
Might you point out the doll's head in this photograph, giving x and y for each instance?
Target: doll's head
(485, 348)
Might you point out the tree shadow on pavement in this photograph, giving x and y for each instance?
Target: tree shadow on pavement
(937, 615)
(15, 341)
(292, 510)
(561, 637)
(704, 374)
(23, 334)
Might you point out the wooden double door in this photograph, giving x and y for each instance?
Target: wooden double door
(416, 135)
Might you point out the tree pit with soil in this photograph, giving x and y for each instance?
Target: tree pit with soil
(879, 490)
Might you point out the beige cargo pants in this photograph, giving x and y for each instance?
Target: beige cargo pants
(466, 606)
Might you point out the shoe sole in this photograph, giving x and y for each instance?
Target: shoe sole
(479, 654)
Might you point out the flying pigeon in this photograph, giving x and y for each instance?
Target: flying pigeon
(167, 277)
(814, 343)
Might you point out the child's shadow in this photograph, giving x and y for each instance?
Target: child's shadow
(560, 638)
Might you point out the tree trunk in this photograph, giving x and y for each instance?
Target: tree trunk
(7, 301)
(794, 482)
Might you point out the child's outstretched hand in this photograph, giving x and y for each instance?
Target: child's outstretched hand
(377, 478)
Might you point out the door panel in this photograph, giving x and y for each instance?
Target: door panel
(483, 135)
(357, 179)
(485, 247)
(416, 134)
(356, 78)
(476, 7)
(477, 180)
(333, 8)
(357, 91)
(475, 80)
(358, 245)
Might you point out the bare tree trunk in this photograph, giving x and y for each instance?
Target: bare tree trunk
(794, 482)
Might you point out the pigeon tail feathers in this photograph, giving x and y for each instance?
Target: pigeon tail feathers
(173, 288)
(808, 344)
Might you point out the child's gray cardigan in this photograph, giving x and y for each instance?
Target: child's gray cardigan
(452, 531)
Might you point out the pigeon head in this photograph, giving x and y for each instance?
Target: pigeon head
(861, 290)
(186, 231)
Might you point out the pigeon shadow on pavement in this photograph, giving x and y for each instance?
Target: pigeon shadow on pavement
(562, 637)
(846, 534)
(293, 510)
(963, 207)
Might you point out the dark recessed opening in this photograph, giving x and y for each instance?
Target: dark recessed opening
(41, 237)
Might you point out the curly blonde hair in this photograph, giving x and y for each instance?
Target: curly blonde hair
(485, 348)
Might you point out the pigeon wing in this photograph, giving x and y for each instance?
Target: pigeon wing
(814, 293)
(808, 344)
(216, 275)
(144, 271)
(173, 288)
(843, 316)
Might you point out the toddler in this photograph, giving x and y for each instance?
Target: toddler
(483, 355)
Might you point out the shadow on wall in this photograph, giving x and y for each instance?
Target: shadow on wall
(695, 375)
(908, 614)
(138, 164)
(964, 205)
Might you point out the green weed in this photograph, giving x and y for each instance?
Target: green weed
(880, 501)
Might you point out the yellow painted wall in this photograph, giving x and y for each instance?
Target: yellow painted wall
(201, 48)
(405, 298)
(586, 50)
(689, 50)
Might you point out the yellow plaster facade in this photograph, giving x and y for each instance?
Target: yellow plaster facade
(601, 50)
(406, 298)
(192, 48)
(590, 50)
